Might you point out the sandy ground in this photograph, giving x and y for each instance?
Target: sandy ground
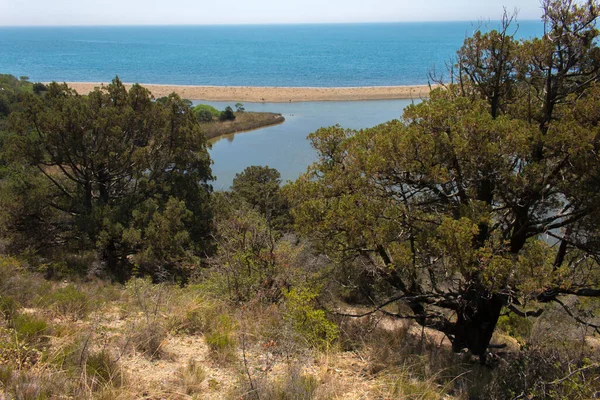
(276, 94)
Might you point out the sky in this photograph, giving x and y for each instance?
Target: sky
(201, 12)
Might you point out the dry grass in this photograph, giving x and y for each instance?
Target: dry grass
(244, 121)
(168, 342)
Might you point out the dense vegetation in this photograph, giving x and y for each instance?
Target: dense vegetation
(215, 123)
(112, 177)
(471, 221)
(481, 199)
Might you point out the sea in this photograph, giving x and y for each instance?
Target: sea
(313, 55)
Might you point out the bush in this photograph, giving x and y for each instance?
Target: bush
(227, 114)
(307, 321)
(102, 370)
(8, 308)
(206, 108)
(540, 373)
(68, 301)
(293, 385)
(220, 339)
(515, 326)
(190, 377)
(30, 328)
(149, 338)
(39, 87)
(204, 116)
(14, 354)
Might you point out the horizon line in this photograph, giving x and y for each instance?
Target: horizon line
(262, 24)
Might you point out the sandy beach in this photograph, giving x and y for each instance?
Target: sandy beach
(276, 94)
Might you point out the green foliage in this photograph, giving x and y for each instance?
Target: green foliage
(93, 170)
(102, 369)
(450, 206)
(69, 301)
(294, 384)
(545, 373)
(244, 259)
(30, 328)
(227, 114)
(516, 326)
(239, 107)
(39, 87)
(206, 108)
(204, 116)
(220, 339)
(8, 308)
(308, 321)
(161, 239)
(260, 187)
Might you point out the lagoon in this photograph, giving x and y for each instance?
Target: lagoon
(285, 146)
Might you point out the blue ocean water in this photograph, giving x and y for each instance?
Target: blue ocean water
(250, 55)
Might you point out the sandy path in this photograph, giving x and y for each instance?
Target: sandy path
(276, 94)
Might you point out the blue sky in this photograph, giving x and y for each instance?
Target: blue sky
(195, 12)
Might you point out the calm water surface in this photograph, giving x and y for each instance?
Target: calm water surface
(245, 55)
(285, 146)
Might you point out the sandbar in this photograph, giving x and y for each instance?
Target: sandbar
(270, 94)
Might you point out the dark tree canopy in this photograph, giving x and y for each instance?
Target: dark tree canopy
(115, 172)
(483, 198)
(260, 188)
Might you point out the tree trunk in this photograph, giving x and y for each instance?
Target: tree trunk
(476, 321)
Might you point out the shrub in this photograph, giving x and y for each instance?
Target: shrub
(294, 385)
(309, 322)
(206, 108)
(15, 353)
(539, 373)
(102, 370)
(220, 339)
(515, 326)
(39, 87)
(190, 377)
(227, 114)
(199, 318)
(68, 301)
(8, 308)
(204, 116)
(149, 338)
(30, 328)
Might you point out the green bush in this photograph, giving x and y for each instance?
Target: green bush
(68, 301)
(227, 114)
(204, 116)
(515, 326)
(30, 328)
(220, 338)
(206, 108)
(309, 322)
(8, 307)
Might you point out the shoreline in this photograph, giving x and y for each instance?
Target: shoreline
(271, 94)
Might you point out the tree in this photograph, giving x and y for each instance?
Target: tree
(204, 116)
(239, 107)
(39, 87)
(227, 114)
(484, 197)
(260, 188)
(125, 173)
